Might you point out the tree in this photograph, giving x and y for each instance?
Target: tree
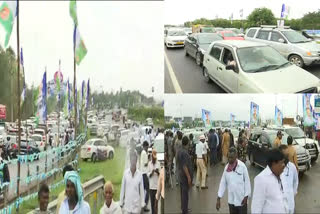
(261, 16)
(311, 20)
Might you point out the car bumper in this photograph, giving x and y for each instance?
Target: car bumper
(85, 154)
(175, 45)
(314, 60)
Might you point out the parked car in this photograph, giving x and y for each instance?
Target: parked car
(260, 142)
(174, 38)
(298, 135)
(27, 147)
(251, 67)
(197, 44)
(39, 143)
(158, 145)
(90, 149)
(41, 132)
(291, 44)
(237, 31)
(229, 35)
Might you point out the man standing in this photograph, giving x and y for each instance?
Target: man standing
(268, 194)
(277, 141)
(289, 178)
(231, 139)
(201, 167)
(144, 170)
(132, 192)
(292, 154)
(153, 173)
(213, 145)
(177, 147)
(205, 154)
(225, 146)
(236, 179)
(43, 199)
(185, 174)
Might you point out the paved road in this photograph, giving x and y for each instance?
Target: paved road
(182, 73)
(204, 201)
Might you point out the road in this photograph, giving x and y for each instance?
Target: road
(182, 75)
(204, 201)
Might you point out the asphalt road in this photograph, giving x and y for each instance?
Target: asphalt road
(183, 75)
(204, 201)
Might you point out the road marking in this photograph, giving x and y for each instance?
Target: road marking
(173, 77)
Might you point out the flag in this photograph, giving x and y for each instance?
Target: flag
(73, 11)
(79, 46)
(285, 10)
(88, 94)
(42, 99)
(278, 117)
(8, 12)
(232, 119)
(23, 94)
(231, 17)
(308, 119)
(254, 114)
(206, 118)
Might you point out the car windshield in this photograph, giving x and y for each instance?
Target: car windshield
(295, 132)
(207, 30)
(90, 142)
(176, 33)
(273, 136)
(260, 59)
(208, 38)
(229, 34)
(36, 138)
(295, 37)
(159, 145)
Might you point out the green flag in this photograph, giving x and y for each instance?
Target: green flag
(73, 11)
(79, 46)
(7, 15)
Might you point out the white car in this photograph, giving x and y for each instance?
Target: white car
(90, 149)
(158, 145)
(250, 67)
(174, 38)
(40, 132)
(39, 143)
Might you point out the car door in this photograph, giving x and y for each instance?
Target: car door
(263, 36)
(193, 46)
(280, 43)
(213, 60)
(187, 44)
(229, 78)
(265, 146)
(254, 149)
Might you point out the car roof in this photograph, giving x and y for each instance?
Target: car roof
(240, 43)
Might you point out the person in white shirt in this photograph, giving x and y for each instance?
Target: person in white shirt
(153, 174)
(132, 192)
(236, 179)
(201, 167)
(110, 206)
(144, 170)
(268, 194)
(289, 178)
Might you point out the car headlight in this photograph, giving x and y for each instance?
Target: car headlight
(312, 53)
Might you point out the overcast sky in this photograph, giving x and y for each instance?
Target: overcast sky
(221, 105)
(123, 39)
(180, 11)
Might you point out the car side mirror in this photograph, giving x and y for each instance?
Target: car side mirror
(281, 40)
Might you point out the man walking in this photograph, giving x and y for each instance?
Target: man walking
(236, 179)
(225, 146)
(144, 170)
(153, 173)
(268, 194)
(185, 174)
(213, 144)
(277, 141)
(289, 178)
(292, 154)
(201, 167)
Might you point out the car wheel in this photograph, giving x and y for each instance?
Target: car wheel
(206, 75)
(94, 157)
(111, 155)
(186, 52)
(85, 159)
(198, 59)
(297, 60)
(167, 46)
(251, 159)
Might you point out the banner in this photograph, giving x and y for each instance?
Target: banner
(285, 10)
(42, 100)
(232, 119)
(307, 110)
(317, 104)
(206, 117)
(254, 114)
(2, 112)
(278, 117)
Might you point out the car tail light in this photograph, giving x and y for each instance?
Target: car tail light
(88, 149)
(28, 147)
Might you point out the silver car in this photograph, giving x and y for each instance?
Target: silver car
(291, 44)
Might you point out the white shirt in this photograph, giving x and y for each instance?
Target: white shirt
(205, 148)
(216, 135)
(290, 181)
(237, 182)
(199, 149)
(267, 194)
(143, 161)
(153, 180)
(113, 209)
(132, 192)
(84, 208)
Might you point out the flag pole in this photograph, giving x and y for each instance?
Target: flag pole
(19, 110)
(59, 103)
(74, 87)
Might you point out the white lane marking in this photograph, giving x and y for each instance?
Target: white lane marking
(173, 77)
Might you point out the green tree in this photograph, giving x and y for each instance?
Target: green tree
(261, 16)
(311, 20)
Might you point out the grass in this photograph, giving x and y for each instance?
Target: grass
(111, 170)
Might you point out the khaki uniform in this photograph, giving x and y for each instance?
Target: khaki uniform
(293, 155)
(276, 143)
(225, 146)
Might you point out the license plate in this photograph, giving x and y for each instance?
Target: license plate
(179, 43)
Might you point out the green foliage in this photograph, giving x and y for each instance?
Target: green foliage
(141, 113)
(261, 16)
(170, 125)
(311, 20)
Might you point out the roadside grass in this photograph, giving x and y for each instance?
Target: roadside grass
(110, 169)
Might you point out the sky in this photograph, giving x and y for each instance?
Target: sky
(180, 11)
(221, 105)
(123, 39)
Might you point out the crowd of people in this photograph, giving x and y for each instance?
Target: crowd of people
(274, 188)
